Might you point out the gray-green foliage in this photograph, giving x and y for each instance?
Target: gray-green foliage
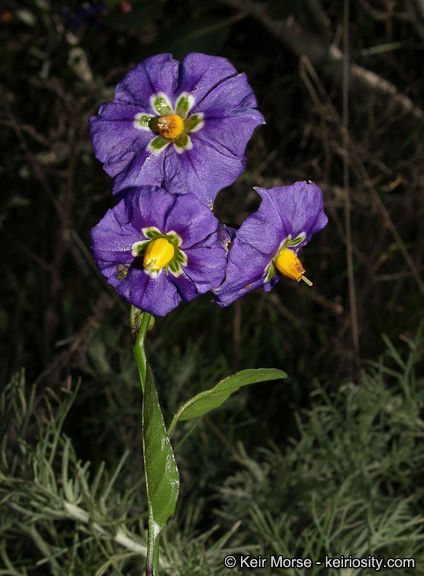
(54, 515)
(350, 483)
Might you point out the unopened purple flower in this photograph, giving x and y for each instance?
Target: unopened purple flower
(156, 248)
(185, 125)
(267, 243)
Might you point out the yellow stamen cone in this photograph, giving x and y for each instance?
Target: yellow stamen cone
(289, 265)
(158, 254)
(170, 126)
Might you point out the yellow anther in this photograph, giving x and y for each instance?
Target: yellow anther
(170, 126)
(158, 254)
(289, 265)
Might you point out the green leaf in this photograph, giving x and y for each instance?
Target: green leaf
(209, 399)
(162, 481)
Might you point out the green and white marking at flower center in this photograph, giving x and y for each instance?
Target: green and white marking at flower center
(174, 266)
(162, 107)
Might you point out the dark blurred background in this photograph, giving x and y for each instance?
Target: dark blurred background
(361, 143)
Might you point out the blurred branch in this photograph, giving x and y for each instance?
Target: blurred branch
(416, 16)
(348, 224)
(378, 14)
(327, 57)
(322, 98)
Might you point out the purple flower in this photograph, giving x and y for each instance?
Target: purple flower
(156, 248)
(267, 243)
(184, 125)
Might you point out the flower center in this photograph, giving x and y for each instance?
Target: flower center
(170, 126)
(289, 265)
(158, 254)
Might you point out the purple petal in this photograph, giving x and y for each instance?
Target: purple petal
(113, 237)
(226, 235)
(299, 206)
(186, 289)
(114, 138)
(206, 267)
(232, 132)
(192, 220)
(245, 272)
(263, 230)
(144, 169)
(155, 74)
(201, 73)
(157, 296)
(230, 96)
(203, 170)
(149, 206)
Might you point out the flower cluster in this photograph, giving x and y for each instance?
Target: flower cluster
(172, 138)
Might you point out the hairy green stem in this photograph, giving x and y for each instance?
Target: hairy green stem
(139, 324)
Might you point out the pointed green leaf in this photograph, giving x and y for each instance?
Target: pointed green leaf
(162, 481)
(210, 399)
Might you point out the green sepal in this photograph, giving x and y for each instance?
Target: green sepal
(209, 399)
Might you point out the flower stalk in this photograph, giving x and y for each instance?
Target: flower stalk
(162, 480)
